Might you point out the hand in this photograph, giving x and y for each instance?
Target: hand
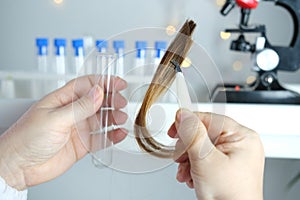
(222, 159)
(50, 137)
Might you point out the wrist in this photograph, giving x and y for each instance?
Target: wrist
(10, 169)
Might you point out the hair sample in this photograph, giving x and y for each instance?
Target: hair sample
(161, 81)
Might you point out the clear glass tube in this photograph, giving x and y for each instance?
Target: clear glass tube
(78, 56)
(120, 63)
(40, 87)
(140, 62)
(60, 69)
(60, 64)
(78, 63)
(42, 54)
(140, 59)
(42, 62)
(101, 145)
(119, 46)
(60, 60)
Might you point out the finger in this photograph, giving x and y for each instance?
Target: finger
(194, 136)
(119, 101)
(229, 142)
(79, 110)
(105, 118)
(180, 153)
(179, 172)
(230, 137)
(115, 100)
(102, 140)
(184, 174)
(77, 88)
(190, 183)
(118, 84)
(183, 158)
(187, 125)
(112, 117)
(172, 132)
(118, 135)
(217, 124)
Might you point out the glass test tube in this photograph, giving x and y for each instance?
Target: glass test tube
(119, 46)
(160, 48)
(60, 60)
(39, 87)
(101, 145)
(42, 54)
(88, 48)
(101, 46)
(78, 55)
(140, 59)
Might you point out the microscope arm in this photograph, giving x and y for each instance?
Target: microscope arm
(289, 56)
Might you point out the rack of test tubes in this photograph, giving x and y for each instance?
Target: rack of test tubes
(55, 65)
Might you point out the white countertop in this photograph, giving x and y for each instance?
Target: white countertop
(276, 124)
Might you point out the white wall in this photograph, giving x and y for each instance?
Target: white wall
(22, 21)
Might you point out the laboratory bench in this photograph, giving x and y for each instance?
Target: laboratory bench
(277, 125)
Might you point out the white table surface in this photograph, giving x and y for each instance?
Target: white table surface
(278, 125)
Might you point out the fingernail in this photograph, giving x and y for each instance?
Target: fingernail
(179, 172)
(120, 83)
(124, 101)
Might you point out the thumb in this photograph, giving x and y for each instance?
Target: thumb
(193, 135)
(82, 108)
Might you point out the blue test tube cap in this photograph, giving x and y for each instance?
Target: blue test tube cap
(100, 44)
(160, 45)
(140, 44)
(119, 44)
(141, 47)
(42, 44)
(77, 45)
(60, 43)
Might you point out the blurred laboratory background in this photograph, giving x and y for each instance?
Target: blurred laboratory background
(46, 43)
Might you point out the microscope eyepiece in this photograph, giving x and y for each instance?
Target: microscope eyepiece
(227, 7)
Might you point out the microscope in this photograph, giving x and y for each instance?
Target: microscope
(268, 58)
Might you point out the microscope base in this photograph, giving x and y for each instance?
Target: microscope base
(256, 96)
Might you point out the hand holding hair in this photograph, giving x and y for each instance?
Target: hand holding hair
(223, 159)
